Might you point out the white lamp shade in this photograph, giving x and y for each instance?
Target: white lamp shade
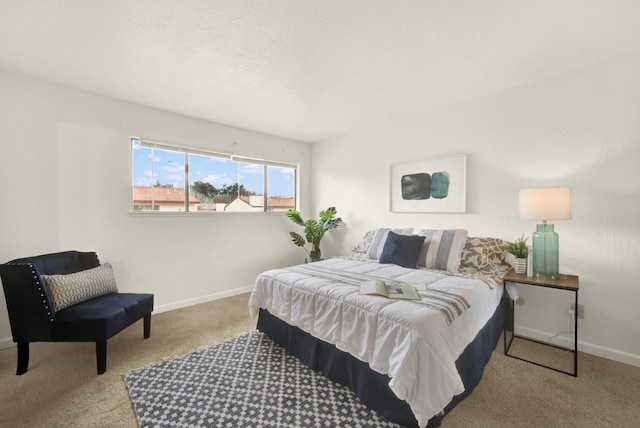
(545, 204)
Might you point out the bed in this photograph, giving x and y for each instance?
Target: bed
(411, 361)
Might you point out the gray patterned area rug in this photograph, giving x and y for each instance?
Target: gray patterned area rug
(249, 381)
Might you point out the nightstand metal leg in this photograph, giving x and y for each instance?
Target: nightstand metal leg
(575, 337)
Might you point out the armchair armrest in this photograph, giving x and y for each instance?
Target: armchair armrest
(28, 302)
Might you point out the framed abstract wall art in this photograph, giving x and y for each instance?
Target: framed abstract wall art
(436, 185)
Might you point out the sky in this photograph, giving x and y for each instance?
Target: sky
(168, 168)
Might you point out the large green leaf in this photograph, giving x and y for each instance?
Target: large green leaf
(328, 219)
(327, 214)
(297, 239)
(295, 217)
(312, 231)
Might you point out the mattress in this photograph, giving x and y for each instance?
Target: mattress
(414, 343)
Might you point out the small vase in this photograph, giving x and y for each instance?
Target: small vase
(520, 265)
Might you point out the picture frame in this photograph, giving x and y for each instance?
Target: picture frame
(436, 185)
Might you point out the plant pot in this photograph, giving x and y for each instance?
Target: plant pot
(520, 265)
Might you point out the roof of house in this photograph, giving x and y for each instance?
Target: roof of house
(241, 199)
(273, 202)
(165, 195)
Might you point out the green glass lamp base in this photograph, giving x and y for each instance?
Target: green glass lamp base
(545, 252)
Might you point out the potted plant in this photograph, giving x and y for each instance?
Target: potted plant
(520, 251)
(314, 230)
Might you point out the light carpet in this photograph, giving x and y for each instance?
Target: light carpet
(61, 388)
(249, 381)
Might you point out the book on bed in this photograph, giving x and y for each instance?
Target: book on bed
(377, 287)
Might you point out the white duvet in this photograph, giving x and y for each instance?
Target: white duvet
(415, 343)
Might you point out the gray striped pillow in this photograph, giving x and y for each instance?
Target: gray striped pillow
(68, 290)
(442, 248)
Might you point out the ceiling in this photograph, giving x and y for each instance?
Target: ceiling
(308, 70)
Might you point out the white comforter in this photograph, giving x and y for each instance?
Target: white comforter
(411, 342)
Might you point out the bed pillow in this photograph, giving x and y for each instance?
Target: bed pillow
(483, 253)
(362, 247)
(402, 250)
(74, 288)
(442, 248)
(379, 238)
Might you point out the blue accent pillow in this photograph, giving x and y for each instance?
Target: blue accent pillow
(402, 250)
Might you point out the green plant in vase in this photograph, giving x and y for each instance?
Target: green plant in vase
(519, 247)
(520, 251)
(314, 230)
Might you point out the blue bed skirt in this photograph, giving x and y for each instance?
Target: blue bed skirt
(372, 388)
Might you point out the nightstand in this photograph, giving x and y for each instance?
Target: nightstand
(565, 282)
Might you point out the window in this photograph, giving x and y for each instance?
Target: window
(172, 178)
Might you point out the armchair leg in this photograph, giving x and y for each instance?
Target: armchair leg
(101, 356)
(147, 326)
(23, 358)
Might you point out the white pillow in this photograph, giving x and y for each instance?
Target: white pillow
(442, 249)
(380, 237)
(71, 289)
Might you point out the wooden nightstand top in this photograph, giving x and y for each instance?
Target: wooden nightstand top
(565, 282)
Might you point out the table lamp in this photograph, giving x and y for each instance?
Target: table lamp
(545, 204)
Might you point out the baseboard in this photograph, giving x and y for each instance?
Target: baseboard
(566, 340)
(202, 299)
(7, 342)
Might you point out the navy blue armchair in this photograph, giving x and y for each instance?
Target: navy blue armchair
(33, 318)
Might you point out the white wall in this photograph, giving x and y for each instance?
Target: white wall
(580, 129)
(66, 184)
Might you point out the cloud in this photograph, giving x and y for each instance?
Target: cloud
(173, 168)
(145, 181)
(285, 172)
(218, 180)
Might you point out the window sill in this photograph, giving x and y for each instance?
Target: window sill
(202, 213)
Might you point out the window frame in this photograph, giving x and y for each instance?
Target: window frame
(186, 151)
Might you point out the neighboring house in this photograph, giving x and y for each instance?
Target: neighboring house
(250, 203)
(256, 203)
(161, 199)
(241, 204)
(276, 204)
(211, 206)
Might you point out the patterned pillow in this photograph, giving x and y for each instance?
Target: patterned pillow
(365, 243)
(68, 290)
(442, 248)
(484, 258)
(402, 250)
(483, 253)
